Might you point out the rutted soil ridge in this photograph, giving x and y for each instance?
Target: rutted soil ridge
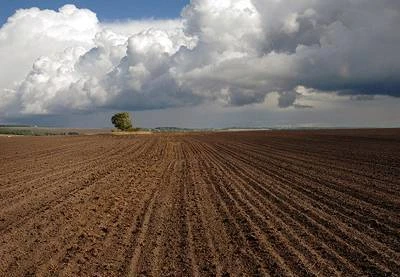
(315, 203)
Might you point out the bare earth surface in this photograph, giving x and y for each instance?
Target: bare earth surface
(293, 203)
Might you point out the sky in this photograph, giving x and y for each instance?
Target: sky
(106, 10)
(201, 63)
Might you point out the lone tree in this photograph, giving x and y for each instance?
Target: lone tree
(122, 121)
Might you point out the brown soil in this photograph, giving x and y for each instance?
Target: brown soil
(290, 203)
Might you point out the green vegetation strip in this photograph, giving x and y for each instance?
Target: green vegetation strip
(32, 132)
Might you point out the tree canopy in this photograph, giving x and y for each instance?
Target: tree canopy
(122, 121)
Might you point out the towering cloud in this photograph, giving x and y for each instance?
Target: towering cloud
(234, 52)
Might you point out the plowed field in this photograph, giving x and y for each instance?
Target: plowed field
(293, 203)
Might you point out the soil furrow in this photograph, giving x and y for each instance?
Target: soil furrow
(342, 232)
(267, 203)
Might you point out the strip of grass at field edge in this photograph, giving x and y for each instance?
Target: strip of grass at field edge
(47, 131)
(31, 132)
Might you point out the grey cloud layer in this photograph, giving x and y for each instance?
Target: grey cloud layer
(233, 52)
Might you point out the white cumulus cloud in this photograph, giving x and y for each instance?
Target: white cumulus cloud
(234, 52)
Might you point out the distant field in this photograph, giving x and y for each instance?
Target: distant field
(41, 131)
(278, 203)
